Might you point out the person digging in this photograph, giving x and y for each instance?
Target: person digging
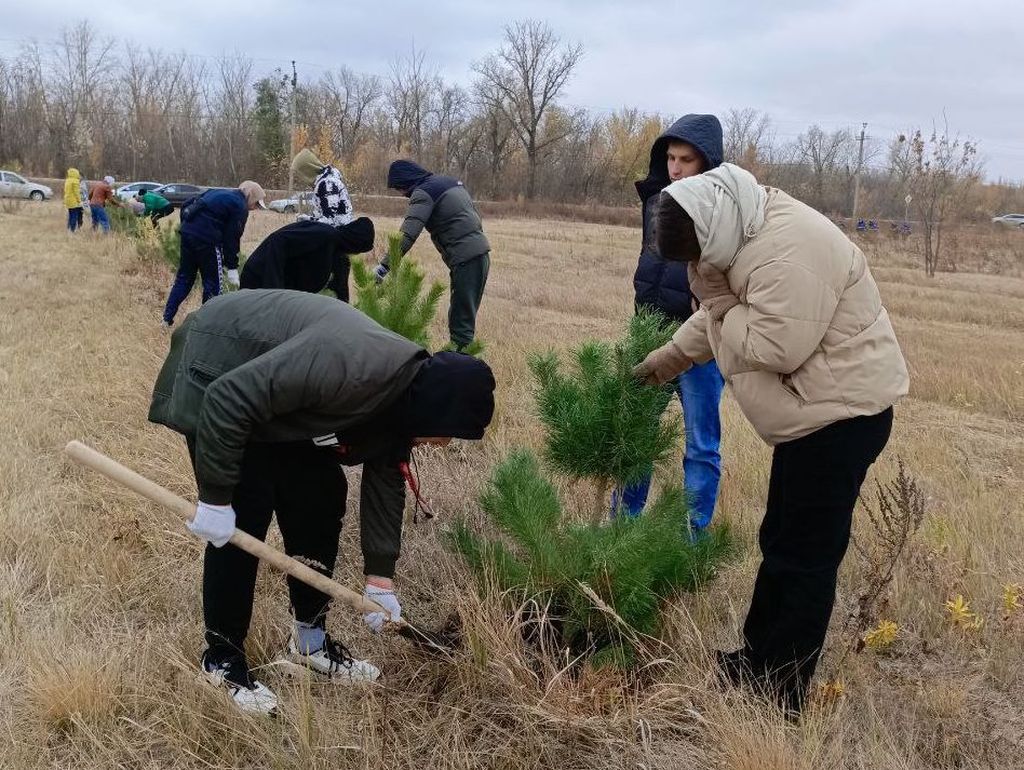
(444, 207)
(275, 391)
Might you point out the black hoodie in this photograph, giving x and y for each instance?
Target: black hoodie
(659, 283)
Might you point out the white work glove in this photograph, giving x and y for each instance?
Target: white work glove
(233, 278)
(386, 598)
(380, 271)
(213, 523)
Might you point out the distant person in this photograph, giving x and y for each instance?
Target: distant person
(331, 202)
(692, 145)
(211, 231)
(308, 256)
(155, 206)
(100, 194)
(444, 207)
(73, 199)
(790, 311)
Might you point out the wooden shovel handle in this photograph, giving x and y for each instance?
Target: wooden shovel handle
(89, 457)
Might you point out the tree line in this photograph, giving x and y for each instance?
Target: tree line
(105, 107)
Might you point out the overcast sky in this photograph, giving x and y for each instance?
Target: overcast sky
(893, 63)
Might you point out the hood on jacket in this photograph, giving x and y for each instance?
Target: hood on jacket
(73, 174)
(704, 132)
(452, 395)
(727, 207)
(406, 175)
(307, 167)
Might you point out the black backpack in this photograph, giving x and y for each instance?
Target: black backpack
(191, 207)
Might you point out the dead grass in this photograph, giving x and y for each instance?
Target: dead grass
(99, 601)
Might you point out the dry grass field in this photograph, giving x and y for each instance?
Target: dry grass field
(100, 623)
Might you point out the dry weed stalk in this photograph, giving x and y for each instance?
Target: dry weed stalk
(895, 518)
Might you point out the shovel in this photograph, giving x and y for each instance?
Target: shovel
(91, 458)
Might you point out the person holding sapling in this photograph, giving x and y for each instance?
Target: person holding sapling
(691, 145)
(211, 232)
(100, 194)
(275, 391)
(331, 203)
(790, 311)
(308, 256)
(444, 207)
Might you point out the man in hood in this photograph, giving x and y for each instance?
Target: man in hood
(444, 207)
(691, 146)
(331, 202)
(308, 256)
(275, 391)
(212, 224)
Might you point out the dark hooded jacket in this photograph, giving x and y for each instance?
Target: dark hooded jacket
(308, 256)
(443, 206)
(217, 217)
(660, 283)
(283, 366)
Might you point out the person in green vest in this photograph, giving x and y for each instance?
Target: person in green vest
(156, 206)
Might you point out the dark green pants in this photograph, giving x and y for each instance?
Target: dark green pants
(468, 281)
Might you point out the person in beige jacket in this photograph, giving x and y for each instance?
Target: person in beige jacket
(790, 311)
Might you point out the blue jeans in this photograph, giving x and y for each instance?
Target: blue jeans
(74, 218)
(700, 390)
(99, 217)
(201, 258)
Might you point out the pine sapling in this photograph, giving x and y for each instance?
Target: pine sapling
(399, 302)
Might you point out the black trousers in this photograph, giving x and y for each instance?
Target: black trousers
(160, 213)
(814, 486)
(467, 291)
(305, 486)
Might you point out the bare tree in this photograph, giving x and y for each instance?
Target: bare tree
(944, 170)
(747, 137)
(350, 100)
(825, 154)
(523, 79)
(410, 97)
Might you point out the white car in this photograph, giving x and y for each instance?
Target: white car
(16, 186)
(1010, 220)
(300, 202)
(129, 191)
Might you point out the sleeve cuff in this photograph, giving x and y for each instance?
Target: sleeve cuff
(379, 564)
(214, 494)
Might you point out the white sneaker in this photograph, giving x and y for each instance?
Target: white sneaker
(233, 676)
(334, 661)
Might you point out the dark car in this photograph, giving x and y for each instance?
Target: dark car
(177, 192)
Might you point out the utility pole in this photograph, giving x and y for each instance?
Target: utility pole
(856, 177)
(291, 132)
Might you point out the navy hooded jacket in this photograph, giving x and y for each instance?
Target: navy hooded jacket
(443, 206)
(660, 283)
(217, 218)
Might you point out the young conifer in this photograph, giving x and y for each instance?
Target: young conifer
(399, 302)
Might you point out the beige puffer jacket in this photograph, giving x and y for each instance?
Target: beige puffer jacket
(810, 343)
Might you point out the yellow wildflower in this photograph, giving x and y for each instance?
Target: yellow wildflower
(831, 690)
(881, 637)
(961, 615)
(1011, 597)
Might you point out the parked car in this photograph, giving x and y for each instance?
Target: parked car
(16, 186)
(179, 192)
(1010, 220)
(300, 202)
(129, 191)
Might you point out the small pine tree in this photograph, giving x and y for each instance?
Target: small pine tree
(601, 585)
(580, 571)
(602, 423)
(398, 302)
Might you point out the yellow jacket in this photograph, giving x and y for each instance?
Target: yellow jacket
(72, 190)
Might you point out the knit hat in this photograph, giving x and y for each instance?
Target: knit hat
(452, 395)
(307, 167)
(109, 180)
(253, 193)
